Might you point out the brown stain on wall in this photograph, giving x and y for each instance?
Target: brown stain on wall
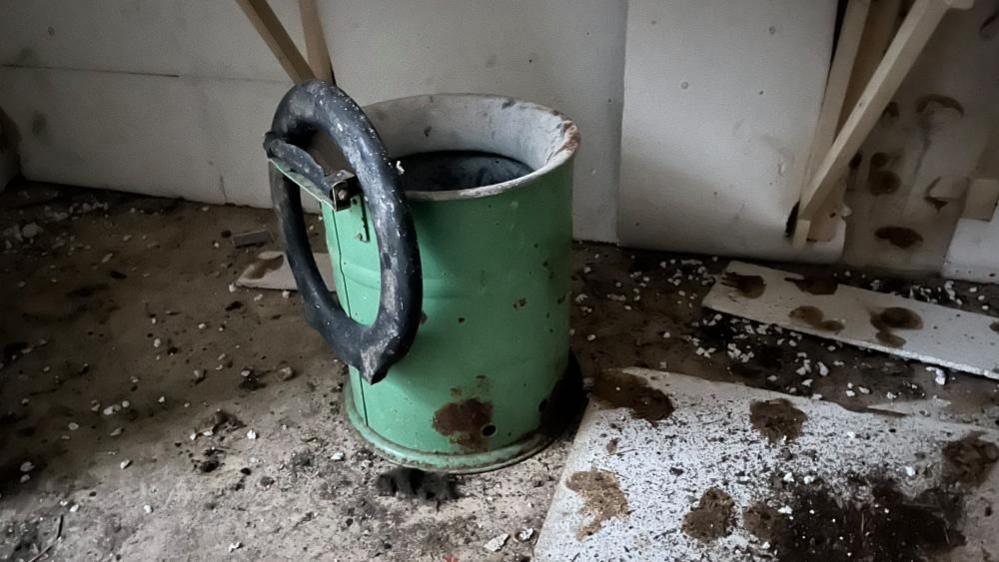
(603, 499)
(883, 182)
(899, 236)
(894, 318)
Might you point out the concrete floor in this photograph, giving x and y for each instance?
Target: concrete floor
(110, 442)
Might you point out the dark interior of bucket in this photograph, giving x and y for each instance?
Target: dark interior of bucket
(457, 169)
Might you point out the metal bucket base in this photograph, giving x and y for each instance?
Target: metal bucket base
(464, 463)
(567, 400)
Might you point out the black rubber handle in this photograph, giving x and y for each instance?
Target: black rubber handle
(317, 107)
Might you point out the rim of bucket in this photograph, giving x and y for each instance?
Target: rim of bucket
(569, 139)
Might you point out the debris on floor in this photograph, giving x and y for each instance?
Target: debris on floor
(820, 306)
(270, 270)
(735, 473)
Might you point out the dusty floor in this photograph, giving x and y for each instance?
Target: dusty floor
(112, 442)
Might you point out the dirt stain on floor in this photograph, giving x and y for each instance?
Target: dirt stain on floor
(815, 318)
(778, 420)
(894, 318)
(885, 526)
(712, 518)
(815, 284)
(602, 499)
(618, 389)
(969, 460)
(749, 286)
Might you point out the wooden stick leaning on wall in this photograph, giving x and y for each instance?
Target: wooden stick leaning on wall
(922, 19)
(315, 42)
(274, 34)
(840, 71)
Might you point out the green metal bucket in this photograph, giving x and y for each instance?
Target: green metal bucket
(488, 182)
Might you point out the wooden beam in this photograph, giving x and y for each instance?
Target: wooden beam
(851, 30)
(274, 34)
(922, 19)
(316, 49)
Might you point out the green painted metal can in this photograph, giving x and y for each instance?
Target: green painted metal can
(488, 181)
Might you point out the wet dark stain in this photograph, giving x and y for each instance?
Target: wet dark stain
(995, 327)
(898, 318)
(969, 460)
(234, 305)
(815, 318)
(883, 182)
(624, 390)
(880, 160)
(749, 286)
(417, 484)
(462, 422)
(778, 420)
(931, 103)
(87, 291)
(565, 403)
(508, 103)
(520, 303)
(894, 318)
(890, 115)
(117, 275)
(989, 27)
(712, 518)
(815, 284)
(612, 445)
(935, 202)
(899, 236)
(263, 266)
(427, 130)
(887, 526)
(602, 499)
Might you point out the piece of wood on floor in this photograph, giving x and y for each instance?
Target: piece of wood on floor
(271, 271)
(930, 333)
(670, 467)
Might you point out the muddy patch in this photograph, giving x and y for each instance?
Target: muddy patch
(895, 318)
(602, 499)
(995, 327)
(885, 525)
(814, 317)
(417, 484)
(815, 284)
(466, 423)
(624, 390)
(778, 420)
(712, 518)
(969, 460)
(899, 236)
(749, 286)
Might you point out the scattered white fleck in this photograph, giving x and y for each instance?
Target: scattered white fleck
(939, 375)
(525, 534)
(251, 434)
(27, 466)
(116, 431)
(234, 546)
(202, 326)
(788, 477)
(851, 435)
(910, 471)
(232, 288)
(161, 400)
(258, 297)
(147, 508)
(591, 337)
(285, 294)
(786, 510)
(337, 456)
(74, 508)
(863, 390)
(823, 370)
(850, 394)
(25, 478)
(73, 426)
(891, 395)
(495, 544)
(125, 464)
(808, 479)
(157, 342)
